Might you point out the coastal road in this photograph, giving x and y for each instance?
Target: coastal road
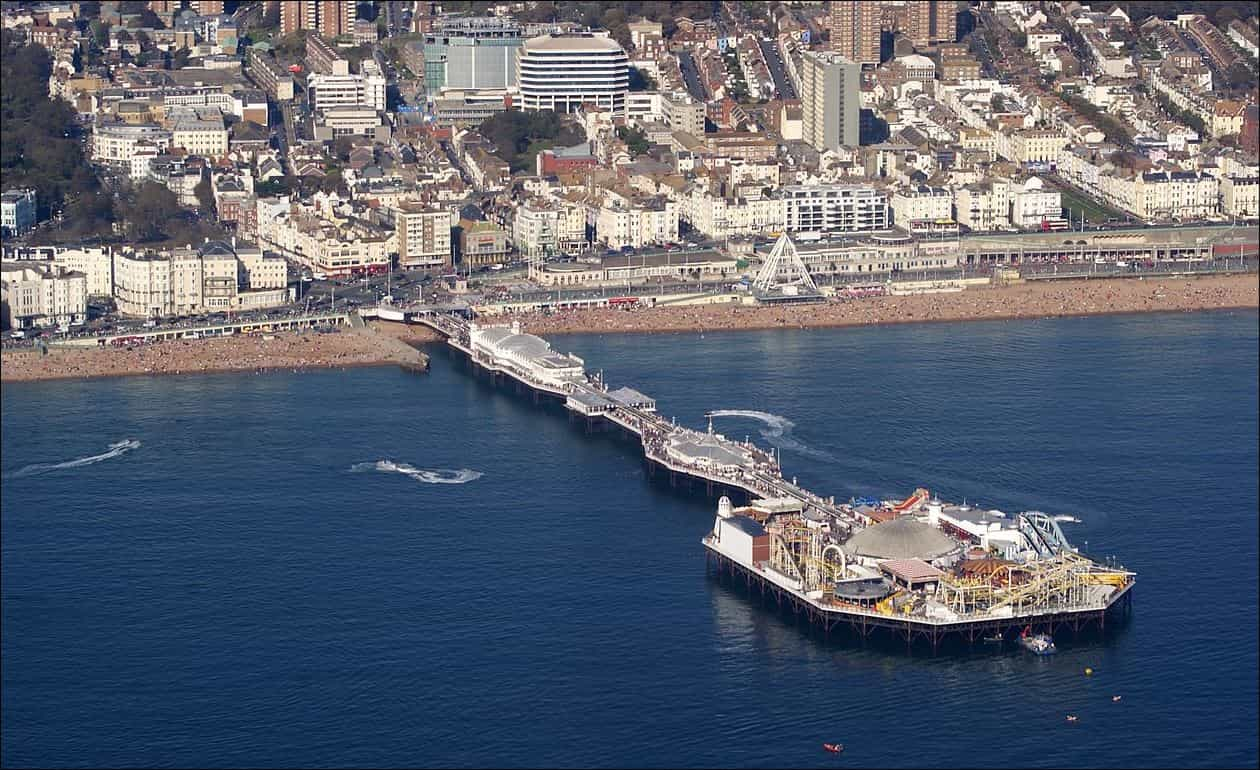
(1189, 235)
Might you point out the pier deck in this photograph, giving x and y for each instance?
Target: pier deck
(1056, 588)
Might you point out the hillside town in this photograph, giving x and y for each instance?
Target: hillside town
(195, 159)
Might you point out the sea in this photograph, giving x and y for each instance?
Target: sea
(371, 567)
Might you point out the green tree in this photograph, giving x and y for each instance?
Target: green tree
(148, 212)
(292, 45)
(205, 196)
(332, 181)
(38, 148)
(1239, 75)
(342, 146)
(519, 136)
(100, 33)
(641, 81)
(635, 140)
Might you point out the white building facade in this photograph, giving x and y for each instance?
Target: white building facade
(833, 208)
(561, 72)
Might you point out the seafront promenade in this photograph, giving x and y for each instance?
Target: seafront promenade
(385, 343)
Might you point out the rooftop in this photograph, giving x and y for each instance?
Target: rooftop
(573, 42)
(901, 538)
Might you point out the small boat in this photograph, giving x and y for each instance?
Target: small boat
(834, 748)
(1115, 699)
(1038, 644)
(1071, 717)
(994, 639)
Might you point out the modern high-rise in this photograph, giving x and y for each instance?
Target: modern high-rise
(830, 99)
(854, 26)
(329, 18)
(563, 71)
(929, 22)
(472, 53)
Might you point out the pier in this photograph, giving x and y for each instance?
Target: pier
(918, 569)
(715, 460)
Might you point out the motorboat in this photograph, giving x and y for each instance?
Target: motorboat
(1038, 644)
(834, 748)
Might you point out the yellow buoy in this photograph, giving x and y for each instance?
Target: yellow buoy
(1089, 671)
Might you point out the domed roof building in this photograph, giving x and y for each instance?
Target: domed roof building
(902, 538)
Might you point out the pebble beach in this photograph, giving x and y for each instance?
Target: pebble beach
(1045, 299)
(239, 353)
(390, 343)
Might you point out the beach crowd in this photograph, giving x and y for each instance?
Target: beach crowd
(392, 343)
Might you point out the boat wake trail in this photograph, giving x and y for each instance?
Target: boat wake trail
(425, 475)
(115, 450)
(776, 432)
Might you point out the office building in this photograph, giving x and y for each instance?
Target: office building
(472, 53)
(561, 72)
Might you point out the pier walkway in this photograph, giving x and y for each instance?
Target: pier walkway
(708, 457)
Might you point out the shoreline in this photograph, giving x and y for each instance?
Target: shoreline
(894, 322)
(297, 351)
(389, 343)
(261, 369)
(1018, 302)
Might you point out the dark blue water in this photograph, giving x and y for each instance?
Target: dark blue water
(232, 593)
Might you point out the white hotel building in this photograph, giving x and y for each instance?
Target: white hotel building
(561, 72)
(833, 208)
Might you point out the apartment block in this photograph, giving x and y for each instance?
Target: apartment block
(830, 101)
(833, 208)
